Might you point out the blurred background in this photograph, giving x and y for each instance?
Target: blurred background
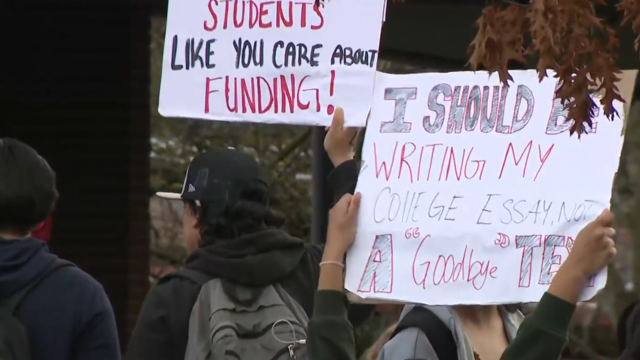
(80, 84)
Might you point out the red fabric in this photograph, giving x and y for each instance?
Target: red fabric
(44, 231)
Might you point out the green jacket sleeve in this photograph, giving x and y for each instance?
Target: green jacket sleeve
(330, 334)
(543, 334)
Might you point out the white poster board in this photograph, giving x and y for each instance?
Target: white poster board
(270, 61)
(472, 193)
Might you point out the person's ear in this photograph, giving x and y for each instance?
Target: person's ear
(196, 215)
(196, 223)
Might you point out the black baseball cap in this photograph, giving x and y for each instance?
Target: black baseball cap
(218, 177)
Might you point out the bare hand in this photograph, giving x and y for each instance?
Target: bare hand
(343, 221)
(594, 247)
(340, 141)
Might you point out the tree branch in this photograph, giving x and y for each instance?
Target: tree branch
(290, 148)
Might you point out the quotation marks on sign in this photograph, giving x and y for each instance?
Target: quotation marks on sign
(412, 233)
(502, 240)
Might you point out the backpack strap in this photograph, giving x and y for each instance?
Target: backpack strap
(195, 276)
(12, 303)
(433, 328)
(291, 303)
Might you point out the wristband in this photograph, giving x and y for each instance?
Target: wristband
(336, 263)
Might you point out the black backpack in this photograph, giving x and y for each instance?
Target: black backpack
(435, 330)
(14, 344)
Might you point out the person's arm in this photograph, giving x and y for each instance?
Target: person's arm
(98, 339)
(549, 323)
(339, 144)
(152, 337)
(342, 180)
(329, 333)
(356, 313)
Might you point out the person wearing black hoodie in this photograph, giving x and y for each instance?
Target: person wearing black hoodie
(65, 313)
(629, 332)
(240, 240)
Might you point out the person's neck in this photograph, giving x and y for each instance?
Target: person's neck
(13, 236)
(476, 315)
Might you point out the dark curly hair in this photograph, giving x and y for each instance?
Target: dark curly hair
(249, 214)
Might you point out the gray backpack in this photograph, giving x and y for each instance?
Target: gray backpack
(233, 322)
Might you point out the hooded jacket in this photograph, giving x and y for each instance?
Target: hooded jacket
(411, 343)
(542, 335)
(631, 342)
(68, 315)
(262, 258)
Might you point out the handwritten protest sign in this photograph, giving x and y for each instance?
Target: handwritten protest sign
(282, 61)
(473, 193)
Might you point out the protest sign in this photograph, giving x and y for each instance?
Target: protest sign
(473, 193)
(282, 61)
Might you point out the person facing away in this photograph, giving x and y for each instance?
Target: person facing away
(49, 309)
(484, 332)
(542, 335)
(234, 236)
(452, 333)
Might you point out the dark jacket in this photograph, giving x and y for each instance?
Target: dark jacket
(631, 342)
(68, 315)
(542, 335)
(259, 259)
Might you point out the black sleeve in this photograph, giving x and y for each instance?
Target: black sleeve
(357, 313)
(631, 349)
(342, 180)
(151, 338)
(161, 332)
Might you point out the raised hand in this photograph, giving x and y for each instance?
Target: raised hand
(594, 247)
(340, 140)
(592, 251)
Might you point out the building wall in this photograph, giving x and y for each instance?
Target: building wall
(74, 85)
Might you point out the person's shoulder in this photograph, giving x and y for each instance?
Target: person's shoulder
(173, 285)
(75, 279)
(315, 251)
(407, 344)
(69, 288)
